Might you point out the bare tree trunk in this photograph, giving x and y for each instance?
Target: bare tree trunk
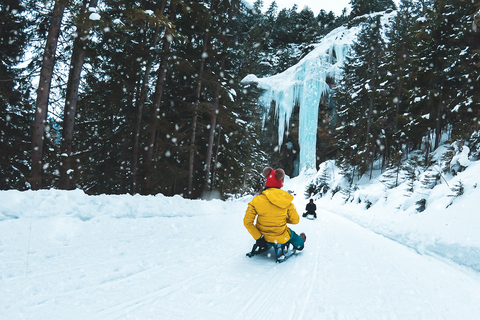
(195, 115)
(372, 162)
(192, 150)
(214, 170)
(211, 135)
(195, 109)
(213, 122)
(43, 93)
(373, 85)
(140, 105)
(427, 149)
(438, 125)
(70, 110)
(157, 100)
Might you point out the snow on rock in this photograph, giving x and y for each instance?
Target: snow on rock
(460, 160)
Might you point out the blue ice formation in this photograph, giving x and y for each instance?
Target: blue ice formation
(304, 84)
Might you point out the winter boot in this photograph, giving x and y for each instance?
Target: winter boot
(303, 236)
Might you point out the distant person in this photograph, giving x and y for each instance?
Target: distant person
(273, 209)
(311, 208)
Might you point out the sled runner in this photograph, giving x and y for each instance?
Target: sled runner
(281, 250)
(310, 216)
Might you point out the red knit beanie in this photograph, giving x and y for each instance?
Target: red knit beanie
(274, 177)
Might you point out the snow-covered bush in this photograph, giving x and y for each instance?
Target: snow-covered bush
(321, 184)
(460, 160)
(430, 178)
(458, 189)
(421, 205)
(474, 144)
(393, 177)
(410, 176)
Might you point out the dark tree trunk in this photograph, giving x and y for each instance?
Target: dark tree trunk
(70, 111)
(193, 149)
(43, 93)
(438, 125)
(157, 100)
(211, 135)
(198, 91)
(140, 105)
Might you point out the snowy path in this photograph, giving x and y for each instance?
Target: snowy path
(194, 267)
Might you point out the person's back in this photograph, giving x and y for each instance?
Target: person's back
(273, 209)
(311, 209)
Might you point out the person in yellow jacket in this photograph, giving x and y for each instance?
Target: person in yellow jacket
(273, 209)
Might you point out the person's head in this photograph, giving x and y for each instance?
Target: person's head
(311, 200)
(274, 177)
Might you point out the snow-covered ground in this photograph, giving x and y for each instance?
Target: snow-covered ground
(66, 255)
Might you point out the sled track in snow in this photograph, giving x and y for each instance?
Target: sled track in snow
(120, 310)
(317, 247)
(263, 293)
(272, 297)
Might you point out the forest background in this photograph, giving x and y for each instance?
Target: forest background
(146, 97)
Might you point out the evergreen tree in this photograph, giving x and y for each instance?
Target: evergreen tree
(14, 109)
(399, 128)
(106, 107)
(71, 96)
(157, 97)
(463, 58)
(361, 7)
(443, 90)
(359, 98)
(43, 93)
(327, 21)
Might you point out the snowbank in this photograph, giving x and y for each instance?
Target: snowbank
(447, 228)
(49, 203)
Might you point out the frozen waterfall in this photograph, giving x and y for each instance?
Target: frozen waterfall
(304, 84)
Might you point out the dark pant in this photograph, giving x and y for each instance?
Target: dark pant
(296, 240)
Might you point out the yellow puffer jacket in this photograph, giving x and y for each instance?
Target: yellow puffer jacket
(273, 209)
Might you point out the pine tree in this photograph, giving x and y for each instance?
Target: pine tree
(43, 93)
(410, 176)
(14, 110)
(71, 98)
(358, 99)
(106, 113)
(442, 90)
(157, 97)
(361, 7)
(463, 91)
(399, 127)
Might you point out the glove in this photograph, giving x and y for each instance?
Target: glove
(261, 243)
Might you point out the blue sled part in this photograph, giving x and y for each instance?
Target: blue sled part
(281, 250)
